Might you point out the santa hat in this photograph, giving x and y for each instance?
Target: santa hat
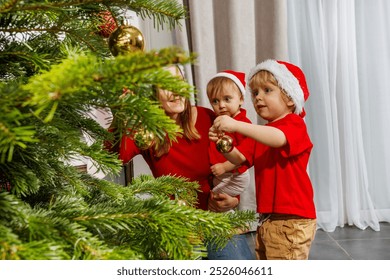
(237, 77)
(289, 77)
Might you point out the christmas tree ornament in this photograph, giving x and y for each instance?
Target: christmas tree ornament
(4, 183)
(126, 39)
(225, 144)
(108, 24)
(126, 91)
(181, 202)
(143, 139)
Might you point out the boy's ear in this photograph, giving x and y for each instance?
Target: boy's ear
(241, 100)
(290, 103)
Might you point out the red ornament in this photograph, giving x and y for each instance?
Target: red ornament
(108, 24)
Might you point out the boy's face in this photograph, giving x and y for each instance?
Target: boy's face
(227, 100)
(270, 102)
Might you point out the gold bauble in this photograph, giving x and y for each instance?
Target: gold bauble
(225, 144)
(181, 202)
(143, 139)
(126, 39)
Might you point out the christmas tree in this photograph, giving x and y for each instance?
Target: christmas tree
(56, 67)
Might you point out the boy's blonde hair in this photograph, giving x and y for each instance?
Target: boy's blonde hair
(261, 78)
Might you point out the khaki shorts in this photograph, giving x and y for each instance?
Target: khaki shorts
(285, 238)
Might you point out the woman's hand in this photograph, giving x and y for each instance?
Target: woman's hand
(221, 202)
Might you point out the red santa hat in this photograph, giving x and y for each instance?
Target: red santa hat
(290, 78)
(237, 77)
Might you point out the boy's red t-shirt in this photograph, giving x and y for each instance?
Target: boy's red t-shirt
(189, 159)
(282, 182)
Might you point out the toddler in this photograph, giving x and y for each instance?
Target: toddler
(226, 91)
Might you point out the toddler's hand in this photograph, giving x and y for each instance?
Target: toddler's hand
(213, 134)
(218, 169)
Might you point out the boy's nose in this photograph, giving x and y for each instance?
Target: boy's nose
(259, 96)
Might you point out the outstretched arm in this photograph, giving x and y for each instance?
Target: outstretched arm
(267, 135)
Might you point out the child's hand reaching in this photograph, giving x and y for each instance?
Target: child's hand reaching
(225, 124)
(221, 125)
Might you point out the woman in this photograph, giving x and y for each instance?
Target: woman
(187, 157)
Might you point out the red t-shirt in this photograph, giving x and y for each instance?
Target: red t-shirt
(282, 183)
(185, 158)
(239, 140)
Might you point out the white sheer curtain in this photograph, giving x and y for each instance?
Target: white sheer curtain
(343, 47)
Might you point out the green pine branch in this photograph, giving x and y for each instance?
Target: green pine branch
(44, 25)
(81, 231)
(56, 68)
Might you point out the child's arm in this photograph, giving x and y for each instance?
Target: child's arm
(267, 135)
(221, 168)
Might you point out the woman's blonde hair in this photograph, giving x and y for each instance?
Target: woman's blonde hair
(186, 122)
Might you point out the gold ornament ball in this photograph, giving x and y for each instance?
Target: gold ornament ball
(126, 39)
(225, 144)
(143, 139)
(182, 202)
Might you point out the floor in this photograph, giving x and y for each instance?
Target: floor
(350, 243)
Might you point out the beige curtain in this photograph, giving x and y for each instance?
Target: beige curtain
(231, 34)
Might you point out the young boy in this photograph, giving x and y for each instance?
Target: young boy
(280, 156)
(226, 91)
